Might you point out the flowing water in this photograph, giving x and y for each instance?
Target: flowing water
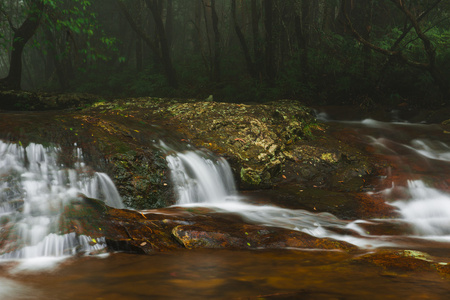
(202, 180)
(34, 187)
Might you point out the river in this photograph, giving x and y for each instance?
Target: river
(416, 184)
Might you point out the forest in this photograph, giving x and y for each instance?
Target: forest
(365, 52)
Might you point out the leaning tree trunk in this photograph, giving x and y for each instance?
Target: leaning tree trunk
(21, 36)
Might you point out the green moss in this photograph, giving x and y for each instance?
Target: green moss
(250, 176)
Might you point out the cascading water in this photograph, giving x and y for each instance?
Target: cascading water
(34, 188)
(201, 179)
(428, 210)
(420, 202)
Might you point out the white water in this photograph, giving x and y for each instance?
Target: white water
(198, 177)
(425, 207)
(428, 210)
(201, 181)
(34, 188)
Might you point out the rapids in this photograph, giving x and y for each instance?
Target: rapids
(35, 186)
(203, 180)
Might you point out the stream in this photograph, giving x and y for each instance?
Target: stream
(35, 186)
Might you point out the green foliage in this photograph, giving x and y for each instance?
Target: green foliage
(79, 22)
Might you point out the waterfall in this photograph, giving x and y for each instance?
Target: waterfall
(34, 188)
(202, 179)
(199, 177)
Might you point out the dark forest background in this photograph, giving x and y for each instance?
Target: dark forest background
(362, 52)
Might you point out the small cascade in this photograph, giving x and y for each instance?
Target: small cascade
(419, 201)
(428, 210)
(199, 177)
(34, 188)
(202, 179)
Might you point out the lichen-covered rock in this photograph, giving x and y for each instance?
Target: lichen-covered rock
(266, 144)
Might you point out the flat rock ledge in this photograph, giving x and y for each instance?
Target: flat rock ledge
(266, 144)
(146, 232)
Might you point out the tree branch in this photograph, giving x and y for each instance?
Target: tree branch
(391, 53)
(430, 50)
(419, 18)
(8, 18)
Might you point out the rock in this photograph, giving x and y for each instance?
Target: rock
(394, 261)
(174, 228)
(252, 236)
(266, 145)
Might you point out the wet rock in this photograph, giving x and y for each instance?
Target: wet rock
(403, 260)
(115, 144)
(174, 228)
(241, 236)
(347, 205)
(274, 144)
(141, 179)
(266, 145)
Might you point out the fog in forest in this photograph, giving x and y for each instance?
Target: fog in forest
(322, 51)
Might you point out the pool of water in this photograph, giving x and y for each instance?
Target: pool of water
(221, 274)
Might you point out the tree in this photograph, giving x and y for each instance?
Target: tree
(215, 25)
(155, 7)
(270, 41)
(251, 66)
(67, 30)
(160, 48)
(396, 53)
(21, 37)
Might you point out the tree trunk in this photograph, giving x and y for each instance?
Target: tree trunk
(21, 36)
(163, 43)
(269, 47)
(243, 43)
(139, 55)
(328, 16)
(257, 52)
(302, 32)
(60, 72)
(169, 22)
(215, 24)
